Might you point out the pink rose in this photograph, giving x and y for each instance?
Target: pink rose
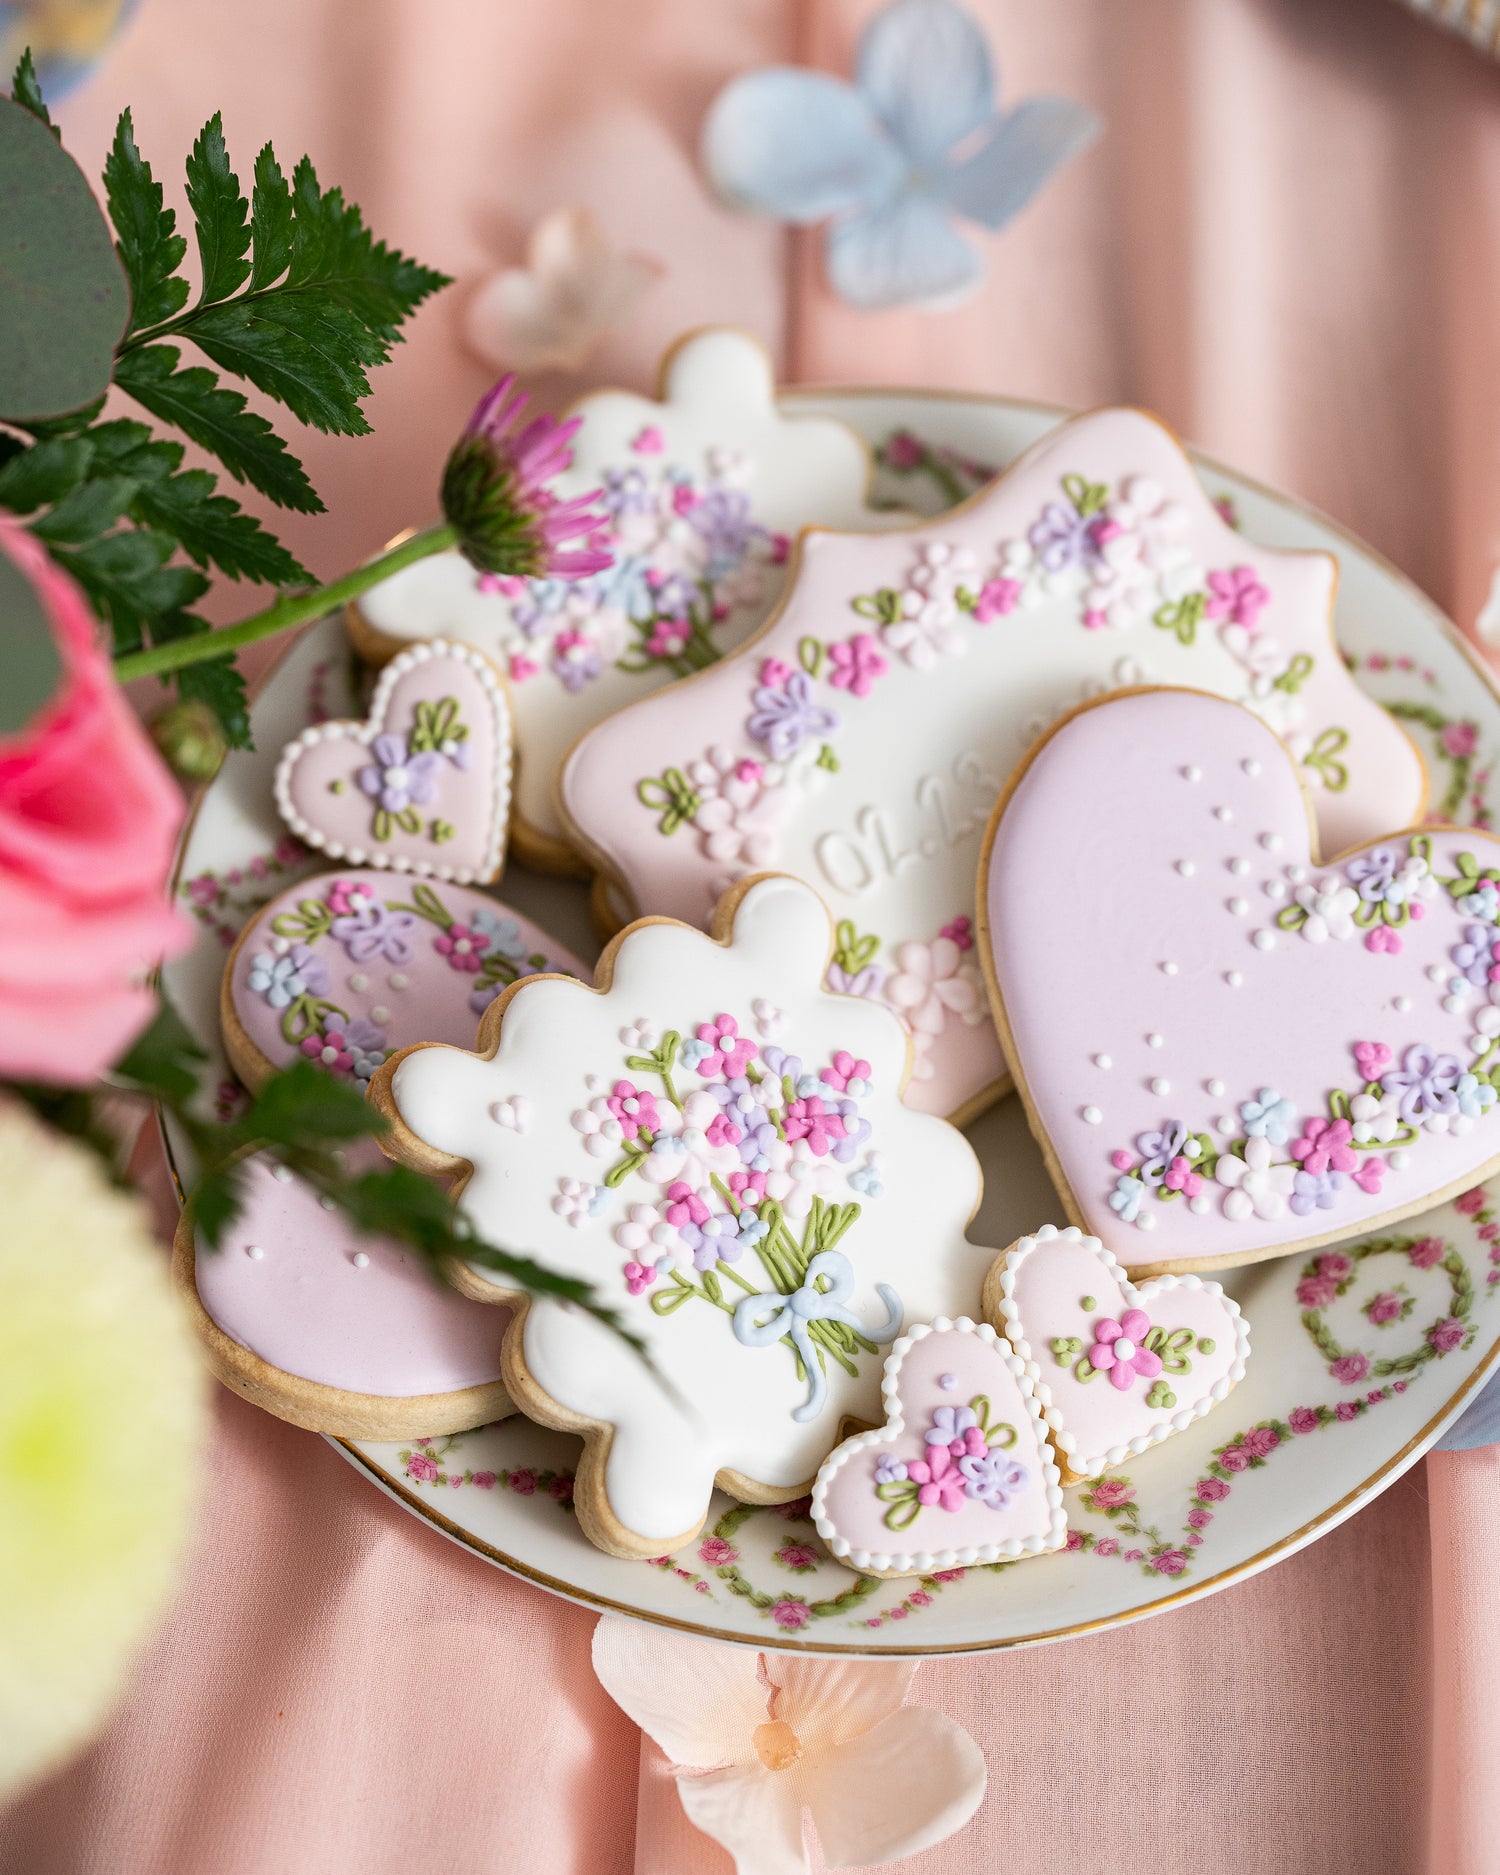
(797, 1555)
(1303, 1419)
(1446, 1336)
(1260, 1440)
(1235, 1459)
(1211, 1490)
(791, 1614)
(421, 1467)
(1107, 1545)
(523, 1482)
(1075, 1540)
(903, 450)
(1171, 1562)
(1316, 1292)
(1110, 1492)
(1347, 1410)
(1470, 1202)
(799, 1507)
(1428, 1251)
(485, 1480)
(948, 1575)
(898, 1614)
(1335, 1264)
(561, 1489)
(717, 1551)
(1349, 1369)
(920, 1599)
(1386, 1307)
(1200, 1519)
(88, 819)
(1459, 739)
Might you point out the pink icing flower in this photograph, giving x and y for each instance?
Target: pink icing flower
(1384, 939)
(1261, 1440)
(345, 898)
(774, 675)
(718, 1552)
(748, 772)
(1349, 1369)
(1460, 739)
(639, 1276)
(1237, 597)
(1371, 1058)
(1180, 1176)
(1447, 1335)
(1211, 1490)
(1109, 1493)
(522, 667)
(1386, 1307)
(748, 1188)
(1303, 1419)
(329, 1050)
(505, 584)
(997, 599)
(421, 1467)
(809, 1119)
(1107, 1546)
(937, 1478)
(685, 498)
(684, 1206)
(462, 947)
(669, 637)
(722, 1131)
(485, 1480)
(1347, 1410)
(1324, 1146)
(1119, 1350)
(845, 1068)
(1236, 1458)
(791, 1614)
(1171, 1562)
(1426, 1252)
(1200, 1519)
(1369, 1176)
(960, 932)
(781, 547)
(634, 1108)
(729, 1051)
(523, 1482)
(649, 441)
(856, 664)
(1121, 1160)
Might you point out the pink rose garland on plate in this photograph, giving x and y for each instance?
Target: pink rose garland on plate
(88, 818)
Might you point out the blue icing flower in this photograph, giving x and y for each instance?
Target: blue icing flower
(1126, 1198)
(692, 1052)
(1483, 902)
(867, 1180)
(504, 934)
(1475, 1097)
(1269, 1117)
(915, 142)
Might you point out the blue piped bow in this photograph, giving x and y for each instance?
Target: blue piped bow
(793, 1313)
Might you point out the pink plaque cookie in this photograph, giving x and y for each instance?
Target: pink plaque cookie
(423, 784)
(349, 966)
(960, 1472)
(345, 1333)
(1117, 1369)
(1229, 1048)
(860, 740)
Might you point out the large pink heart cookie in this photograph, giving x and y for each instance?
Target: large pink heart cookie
(348, 967)
(1117, 1369)
(860, 740)
(1228, 1048)
(343, 1333)
(423, 784)
(960, 1472)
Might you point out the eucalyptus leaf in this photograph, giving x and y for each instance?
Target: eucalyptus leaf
(33, 669)
(63, 297)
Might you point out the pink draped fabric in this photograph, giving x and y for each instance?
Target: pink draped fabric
(1288, 244)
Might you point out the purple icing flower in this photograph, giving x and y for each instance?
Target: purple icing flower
(723, 518)
(857, 1130)
(1062, 537)
(398, 780)
(376, 931)
(1158, 1150)
(1473, 955)
(576, 660)
(993, 1478)
(784, 1066)
(1373, 873)
(784, 719)
(715, 1240)
(1316, 1191)
(1426, 1082)
(866, 982)
(889, 1470)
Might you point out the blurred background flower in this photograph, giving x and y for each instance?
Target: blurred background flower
(916, 143)
(102, 1410)
(67, 37)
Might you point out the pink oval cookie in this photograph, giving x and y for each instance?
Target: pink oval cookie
(960, 1472)
(349, 966)
(422, 785)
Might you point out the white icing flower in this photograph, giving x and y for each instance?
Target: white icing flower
(1121, 586)
(577, 1200)
(1376, 1122)
(1330, 905)
(796, 1177)
(639, 1035)
(647, 1235)
(931, 983)
(1157, 520)
(769, 1020)
(1254, 1183)
(738, 813)
(514, 1113)
(682, 1149)
(733, 467)
(602, 1132)
(928, 627)
(1416, 880)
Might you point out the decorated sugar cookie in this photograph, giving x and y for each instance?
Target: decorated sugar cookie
(720, 1146)
(340, 1332)
(348, 967)
(860, 741)
(423, 784)
(1117, 1368)
(703, 491)
(1229, 1048)
(959, 1474)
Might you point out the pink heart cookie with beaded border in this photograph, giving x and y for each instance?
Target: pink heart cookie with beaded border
(423, 784)
(1228, 1048)
(1117, 1369)
(959, 1474)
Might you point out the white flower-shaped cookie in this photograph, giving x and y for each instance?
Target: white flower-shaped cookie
(717, 1187)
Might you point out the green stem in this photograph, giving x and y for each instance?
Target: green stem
(296, 609)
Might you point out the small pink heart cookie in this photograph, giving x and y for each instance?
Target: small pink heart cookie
(959, 1474)
(1116, 1368)
(423, 784)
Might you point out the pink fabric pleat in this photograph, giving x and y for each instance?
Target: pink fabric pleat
(1289, 244)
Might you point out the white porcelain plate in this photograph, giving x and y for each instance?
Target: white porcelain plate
(1342, 1394)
